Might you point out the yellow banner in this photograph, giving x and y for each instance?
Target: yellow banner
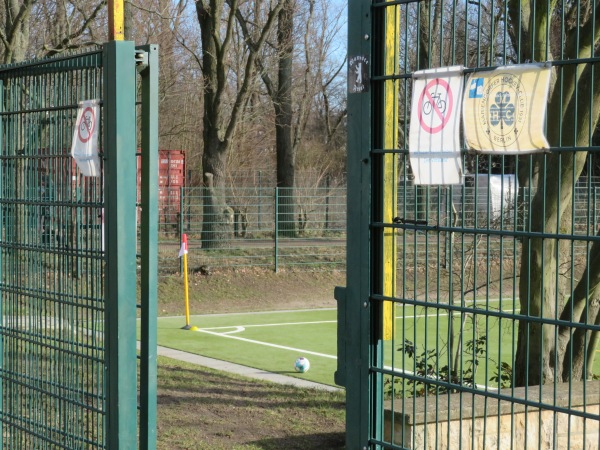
(504, 110)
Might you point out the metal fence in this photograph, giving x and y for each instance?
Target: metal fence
(469, 321)
(255, 238)
(320, 221)
(68, 363)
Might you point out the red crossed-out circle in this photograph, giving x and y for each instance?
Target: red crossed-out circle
(88, 127)
(443, 117)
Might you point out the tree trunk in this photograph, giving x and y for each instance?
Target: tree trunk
(217, 227)
(537, 299)
(286, 155)
(16, 28)
(220, 117)
(577, 355)
(217, 216)
(540, 289)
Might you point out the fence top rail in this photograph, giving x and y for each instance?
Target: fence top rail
(65, 62)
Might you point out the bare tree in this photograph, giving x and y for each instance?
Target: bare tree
(220, 120)
(14, 33)
(575, 103)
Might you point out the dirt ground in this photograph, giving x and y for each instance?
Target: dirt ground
(250, 289)
(202, 409)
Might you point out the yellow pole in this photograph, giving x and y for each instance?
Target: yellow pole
(186, 292)
(390, 169)
(116, 20)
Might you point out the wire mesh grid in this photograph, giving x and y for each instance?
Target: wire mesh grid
(52, 349)
(495, 328)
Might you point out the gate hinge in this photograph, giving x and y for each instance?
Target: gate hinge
(141, 60)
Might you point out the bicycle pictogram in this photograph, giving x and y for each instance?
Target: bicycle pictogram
(86, 125)
(435, 105)
(435, 101)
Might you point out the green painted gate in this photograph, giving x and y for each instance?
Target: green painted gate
(471, 317)
(76, 267)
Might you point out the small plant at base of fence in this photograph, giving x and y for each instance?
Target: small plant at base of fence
(426, 368)
(503, 376)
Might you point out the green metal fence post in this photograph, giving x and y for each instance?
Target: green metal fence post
(259, 226)
(181, 205)
(357, 310)
(149, 249)
(120, 281)
(1, 264)
(276, 237)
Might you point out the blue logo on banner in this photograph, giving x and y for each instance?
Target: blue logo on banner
(476, 88)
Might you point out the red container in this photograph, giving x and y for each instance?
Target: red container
(171, 178)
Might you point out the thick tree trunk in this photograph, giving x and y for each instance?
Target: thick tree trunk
(540, 291)
(575, 349)
(217, 26)
(217, 225)
(576, 365)
(217, 216)
(286, 155)
(537, 298)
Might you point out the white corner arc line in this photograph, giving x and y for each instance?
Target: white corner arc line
(268, 344)
(236, 329)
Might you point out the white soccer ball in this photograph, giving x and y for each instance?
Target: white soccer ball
(302, 365)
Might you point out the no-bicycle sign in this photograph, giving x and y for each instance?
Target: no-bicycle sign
(84, 147)
(435, 106)
(433, 142)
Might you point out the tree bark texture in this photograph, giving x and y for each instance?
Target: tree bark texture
(220, 118)
(217, 225)
(548, 352)
(286, 154)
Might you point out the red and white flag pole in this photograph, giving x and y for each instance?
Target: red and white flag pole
(183, 252)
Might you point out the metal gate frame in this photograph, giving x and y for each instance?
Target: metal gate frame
(121, 423)
(365, 304)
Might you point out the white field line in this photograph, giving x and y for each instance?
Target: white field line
(308, 352)
(240, 328)
(287, 311)
(251, 313)
(267, 344)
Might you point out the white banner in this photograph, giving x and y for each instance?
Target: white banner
(84, 148)
(433, 144)
(504, 110)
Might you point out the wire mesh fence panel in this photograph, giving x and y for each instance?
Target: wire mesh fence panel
(320, 213)
(69, 374)
(471, 317)
(314, 229)
(52, 261)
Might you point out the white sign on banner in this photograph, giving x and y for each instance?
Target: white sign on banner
(434, 144)
(84, 148)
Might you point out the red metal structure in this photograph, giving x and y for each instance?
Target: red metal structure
(171, 178)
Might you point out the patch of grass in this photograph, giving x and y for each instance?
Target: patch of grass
(199, 408)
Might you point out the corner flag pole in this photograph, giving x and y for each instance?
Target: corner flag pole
(183, 251)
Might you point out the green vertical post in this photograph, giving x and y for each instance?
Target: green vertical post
(149, 249)
(357, 311)
(276, 230)
(259, 200)
(1, 262)
(181, 208)
(120, 279)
